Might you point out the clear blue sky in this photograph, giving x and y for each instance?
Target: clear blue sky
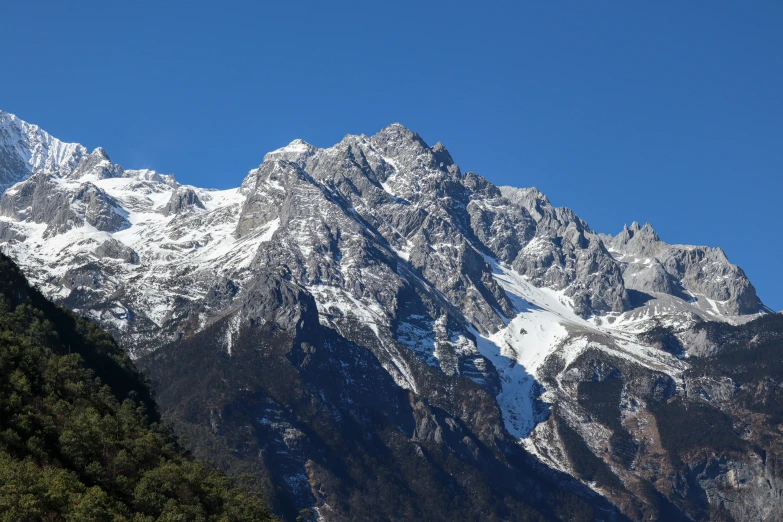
(669, 112)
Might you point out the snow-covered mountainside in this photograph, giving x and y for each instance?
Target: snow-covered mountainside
(440, 275)
(25, 149)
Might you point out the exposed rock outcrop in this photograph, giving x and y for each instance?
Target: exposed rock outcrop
(370, 299)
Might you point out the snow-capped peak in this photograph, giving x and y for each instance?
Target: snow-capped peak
(26, 149)
(296, 152)
(101, 153)
(385, 243)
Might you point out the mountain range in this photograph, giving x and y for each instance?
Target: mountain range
(378, 335)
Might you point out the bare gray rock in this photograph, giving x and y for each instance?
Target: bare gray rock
(566, 255)
(98, 165)
(702, 274)
(114, 249)
(41, 199)
(183, 199)
(486, 307)
(99, 209)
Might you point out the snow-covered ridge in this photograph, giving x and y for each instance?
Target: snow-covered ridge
(26, 149)
(476, 299)
(499, 282)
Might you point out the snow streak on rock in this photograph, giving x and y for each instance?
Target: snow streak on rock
(430, 268)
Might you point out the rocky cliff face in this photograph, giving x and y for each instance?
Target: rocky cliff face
(701, 274)
(352, 308)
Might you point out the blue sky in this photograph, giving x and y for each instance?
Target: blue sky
(646, 111)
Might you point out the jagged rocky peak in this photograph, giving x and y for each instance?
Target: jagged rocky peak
(551, 221)
(530, 198)
(100, 152)
(638, 241)
(419, 200)
(26, 149)
(566, 255)
(182, 199)
(405, 147)
(694, 273)
(442, 155)
(408, 152)
(297, 152)
(488, 303)
(97, 165)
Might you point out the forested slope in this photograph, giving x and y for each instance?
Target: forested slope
(80, 438)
